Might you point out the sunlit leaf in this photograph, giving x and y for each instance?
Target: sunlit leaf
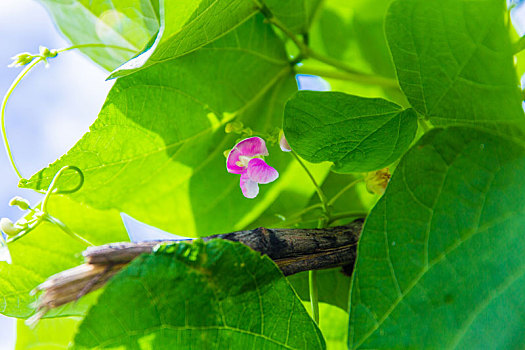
(156, 149)
(188, 25)
(129, 24)
(454, 62)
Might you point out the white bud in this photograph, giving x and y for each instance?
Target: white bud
(9, 228)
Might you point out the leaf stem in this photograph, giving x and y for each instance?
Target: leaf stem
(320, 193)
(15, 83)
(351, 73)
(346, 188)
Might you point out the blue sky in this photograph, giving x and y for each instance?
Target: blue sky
(49, 111)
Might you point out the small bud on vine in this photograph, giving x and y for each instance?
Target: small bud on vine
(20, 202)
(21, 59)
(9, 228)
(47, 53)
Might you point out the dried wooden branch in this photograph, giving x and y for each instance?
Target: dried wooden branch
(293, 250)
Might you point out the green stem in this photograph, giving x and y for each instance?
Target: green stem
(320, 192)
(314, 294)
(350, 72)
(67, 230)
(23, 233)
(298, 214)
(342, 75)
(15, 83)
(312, 275)
(346, 188)
(82, 46)
(347, 214)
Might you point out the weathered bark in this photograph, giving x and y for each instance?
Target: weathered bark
(293, 250)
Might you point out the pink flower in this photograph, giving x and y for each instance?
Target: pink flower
(245, 158)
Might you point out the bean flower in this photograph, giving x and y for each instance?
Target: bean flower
(246, 159)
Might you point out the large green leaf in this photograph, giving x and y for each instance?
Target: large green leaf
(129, 24)
(356, 133)
(454, 62)
(156, 149)
(440, 261)
(215, 295)
(188, 25)
(48, 334)
(48, 250)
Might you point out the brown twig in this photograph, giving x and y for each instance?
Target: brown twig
(293, 250)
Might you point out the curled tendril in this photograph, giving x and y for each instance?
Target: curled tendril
(52, 186)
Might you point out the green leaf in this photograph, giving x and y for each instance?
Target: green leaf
(440, 261)
(357, 134)
(48, 334)
(47, 250)
(454, 62)
(219, 295)
(156, 149)
(333, 285)
(129, 24)
(296, 15)
(188, 25)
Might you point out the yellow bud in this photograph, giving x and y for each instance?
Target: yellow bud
(376, 181)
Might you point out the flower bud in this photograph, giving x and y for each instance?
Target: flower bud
(283, 143)
(9, 228)
(47, 53)
(21, 59)
(376, 181)
(20, 202)
(236, 127)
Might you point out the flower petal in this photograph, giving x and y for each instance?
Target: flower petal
(250, 147)
(261, 172)
(249, 188)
